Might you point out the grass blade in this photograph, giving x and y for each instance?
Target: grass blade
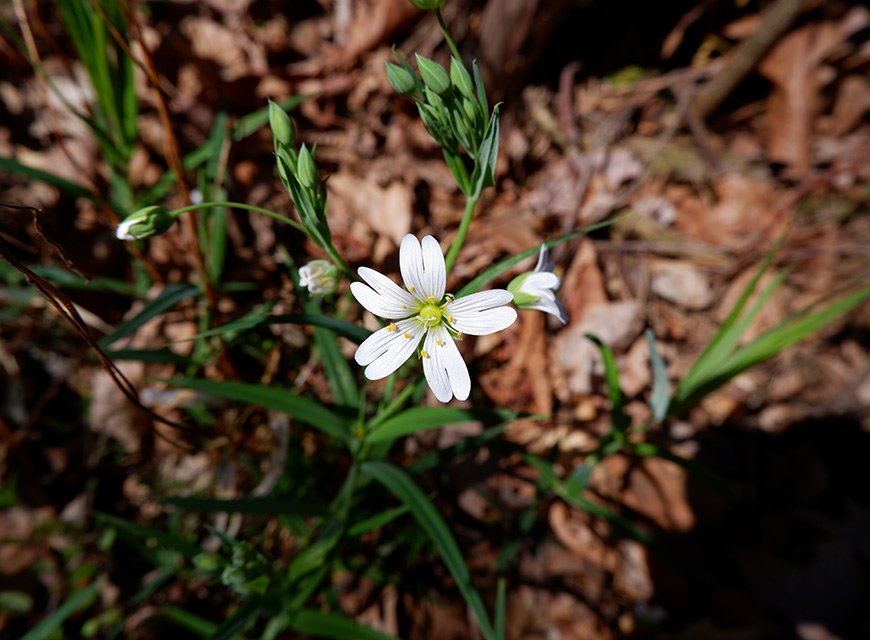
(660, 396)
(621, 420)
(403, 487)
(335, 626)
(50, 624)
(168, 298)
(421, 418)
(300, 407)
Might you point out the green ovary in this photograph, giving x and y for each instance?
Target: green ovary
(430, 314)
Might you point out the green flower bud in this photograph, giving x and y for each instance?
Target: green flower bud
(428, 4)
(461, 78)
(401, 79)
(144, 223)
(306, 169)
(522, 298)
(320, 277)
(433, 74)
(283, 131)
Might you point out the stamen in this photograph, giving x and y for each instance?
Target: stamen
(430, 298)
(440, 342)
(450, 319)
(411, 289)
(392, 328)
(407, 335)
(423, 353)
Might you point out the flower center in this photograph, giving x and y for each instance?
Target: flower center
(430, 315)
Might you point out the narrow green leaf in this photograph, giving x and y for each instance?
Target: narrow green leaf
(767, 345)
(300, 407)
(352, 332)
(165, 539)
(711, 361)
(168, 298)
(189, 621)
(621, 421)
(483, 175)
(335, 365)
(493, 272)
(403, 487)
(51, 623)
(500, 606)
(421, 418)
(660, 397)
(334, 626)
(376, 521)
(72, 188)
(148, 355)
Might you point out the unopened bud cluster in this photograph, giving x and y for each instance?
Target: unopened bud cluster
(298, 173)
(455, 110)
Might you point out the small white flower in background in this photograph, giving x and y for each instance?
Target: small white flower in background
(320, 277)
(536, 289)
(144, 223)
(422, 311)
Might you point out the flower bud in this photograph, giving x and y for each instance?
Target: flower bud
(461, 78)
(428, 4)
(306, 170)
(536, 289)
(320, 277)
(401, 79)
(144, 223)
(433, 74)
(283, 131)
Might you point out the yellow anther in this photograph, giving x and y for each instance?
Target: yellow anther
(423, 353)
(404, 306)
(407, 335)
(450, 319)
(411, 289)
(392, 327)
(430, 298)
(459, 335)
(440, 342)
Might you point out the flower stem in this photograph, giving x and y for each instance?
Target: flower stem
(447, 37)
(470, 204)
(333, 254)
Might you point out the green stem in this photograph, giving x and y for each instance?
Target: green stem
(239, 205)
(333, 254)
(470, 204)
(447, 37)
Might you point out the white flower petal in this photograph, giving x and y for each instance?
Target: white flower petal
(536, 282)
(382, 296)
(481, 313)
(444, 367)
(386, 350)
(423, 267)
(480, 301)
(549, 304)
(542, 259)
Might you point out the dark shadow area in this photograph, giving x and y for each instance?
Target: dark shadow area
(785, 556)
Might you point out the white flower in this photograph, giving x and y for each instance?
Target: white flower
(320, 277)
(422, 311)
(536, 289)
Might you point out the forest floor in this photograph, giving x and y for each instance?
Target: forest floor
(597, 124)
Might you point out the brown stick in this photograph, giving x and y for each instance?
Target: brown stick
(775, 20)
